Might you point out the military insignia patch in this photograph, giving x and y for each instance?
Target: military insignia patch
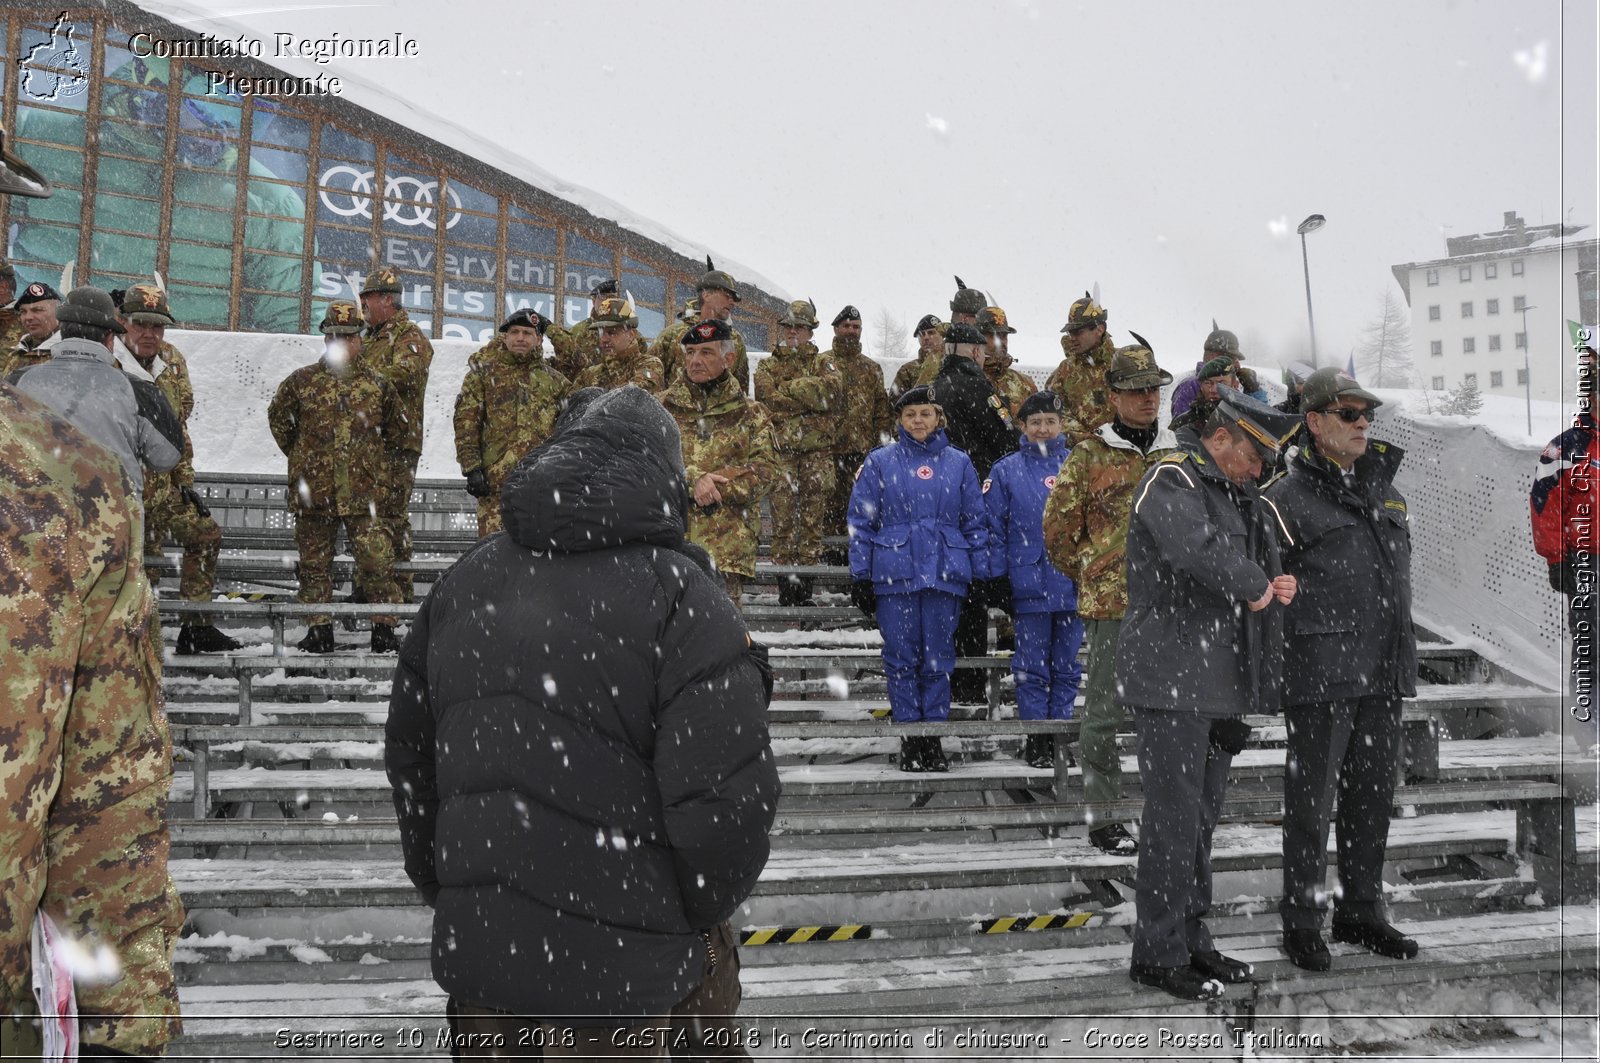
(986, 484)
(1390, 503)
(1175, 457)
(924, 472)
(1050, 483)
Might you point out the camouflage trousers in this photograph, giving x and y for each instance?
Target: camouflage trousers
(845, 468)
(735, 585)
(798, 502)
(315, 535)
(395, 510)
(489, 520)
(166, 513)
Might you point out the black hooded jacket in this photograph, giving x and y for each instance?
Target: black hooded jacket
(577, 735)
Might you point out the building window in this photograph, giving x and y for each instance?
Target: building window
(1494, 342)
(1438, 383)
(1519, 302)
(1436, 348)
(1466, 274)
(1522, 341)
(1433, 313)
(1466, 309)
(1522, 376)
(1433, 278)
(1490, 271)
(1497, 379)
(1469, 345)
(1491, 306)
(1469, 378)
(1516, 267)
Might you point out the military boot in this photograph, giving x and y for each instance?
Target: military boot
(786, 590)
(358, 596)
(802, 590)
(911, 754)
(933, 757)
(204, 638)
(384, 640)
(319, 639)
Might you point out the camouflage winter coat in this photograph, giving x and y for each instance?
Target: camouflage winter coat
(641, 368)
(507, 406)
(1086, 517)
(724, 432)
(1080, 380)
(669, 348)
(341, 432)
(10, 331)
(868, 417)
(577, 348)
(920, 371)
(85, 753)
(1012, 386)
(400, 352)
(805, 393)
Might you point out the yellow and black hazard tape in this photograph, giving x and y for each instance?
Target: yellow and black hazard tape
(1012, 924)
(795, 935)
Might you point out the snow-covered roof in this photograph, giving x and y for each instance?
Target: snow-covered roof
(356, 91)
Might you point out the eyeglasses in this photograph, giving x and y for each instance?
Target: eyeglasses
(1349, 416)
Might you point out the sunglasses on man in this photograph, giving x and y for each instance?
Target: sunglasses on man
(1348, 415)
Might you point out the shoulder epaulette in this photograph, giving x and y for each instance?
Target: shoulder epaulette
(1175, 457)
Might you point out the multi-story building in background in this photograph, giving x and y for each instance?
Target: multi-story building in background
(1467, 309)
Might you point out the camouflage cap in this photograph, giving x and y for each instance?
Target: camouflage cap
(1326, 386)
(967, 300)
(1268, 428)
(342, 319)
(992, 320)
(612, 312)
(526, 317)
(17, 178)
(89, 306)
(1134, 368)
(716, 278)
(714, 331)
(802, 313)
(1221, 341)
(37, 292)
(145, 304)
(382, 280)
(1084, 313)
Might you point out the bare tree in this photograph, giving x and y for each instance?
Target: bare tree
(891, 338)
(1383, 356)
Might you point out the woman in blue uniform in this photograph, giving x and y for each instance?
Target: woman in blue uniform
(1043, 602)
(918, 539)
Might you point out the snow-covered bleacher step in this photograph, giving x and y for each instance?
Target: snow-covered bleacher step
(947, 863)
(920, 992)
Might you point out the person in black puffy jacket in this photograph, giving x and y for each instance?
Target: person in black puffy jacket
(577, 742)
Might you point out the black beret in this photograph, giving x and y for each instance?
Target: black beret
(527, 319)
(707, 332)
(921, 395)
(1041, 402)
(849, 313)
(37, 292)
(605, 287)
(928, 321)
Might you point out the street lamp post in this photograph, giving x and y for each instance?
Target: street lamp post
(1310, 225)
(1527, 369)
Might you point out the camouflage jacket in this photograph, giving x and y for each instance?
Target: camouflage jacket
(400, 352)
(724, 432)
(867, 417)
(18, 356)
(339, 432)
(1080, 380)
(922, 370)
(170, 371)
(1012, 386)
(577, 348)
(507, 406)
(643, 369)
(85, 752)
(805, 391)
(1086, 517)
(669, 348)
(10, 330)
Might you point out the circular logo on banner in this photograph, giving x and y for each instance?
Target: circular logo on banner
(1050, 482)
(924, 473)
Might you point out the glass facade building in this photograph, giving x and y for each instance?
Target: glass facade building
(259, 210)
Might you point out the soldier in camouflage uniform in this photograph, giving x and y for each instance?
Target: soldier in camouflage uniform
(344, 429)
(400, 352)
(508, 404)
(624, 356)
(805, 391)
(37, 328)
(10, 320)
(729, 458)
(578, 347)
(171, 504)
(85, 753)
(1012, 387)
(1080, 378)
(930, 353)
(865, 422)
(718, 291)
(1086, 537)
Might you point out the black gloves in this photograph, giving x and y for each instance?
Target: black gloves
(192, 497)
(477, 484)
(864, 598)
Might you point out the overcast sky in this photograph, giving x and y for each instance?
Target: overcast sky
(864, 151)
